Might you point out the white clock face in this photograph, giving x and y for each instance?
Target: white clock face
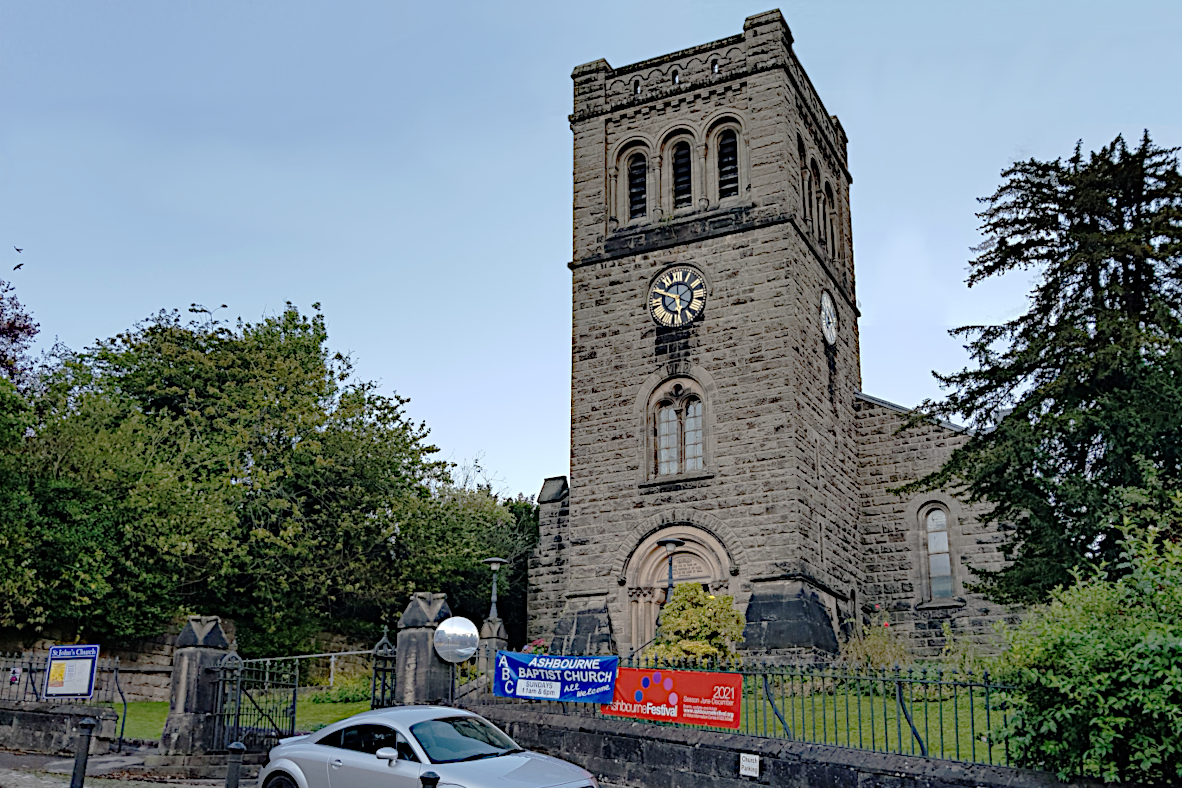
(828, 318)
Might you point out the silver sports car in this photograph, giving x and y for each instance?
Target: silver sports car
(393, 748)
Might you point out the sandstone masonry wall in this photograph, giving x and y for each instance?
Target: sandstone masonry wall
(894, 538)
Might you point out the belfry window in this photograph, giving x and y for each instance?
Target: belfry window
(728, 164)
(679, 432)
(637, 187)
(939, 557)
(682, 181)
(830, 228)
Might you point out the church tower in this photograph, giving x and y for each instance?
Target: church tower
(714, 357)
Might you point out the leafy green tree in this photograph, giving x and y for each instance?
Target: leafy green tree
(233, 470)
(17, 331)
(696, 625)
(1098, 669)
(1073, 398)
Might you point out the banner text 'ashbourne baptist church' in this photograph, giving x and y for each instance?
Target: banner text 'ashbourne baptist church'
(543, 677)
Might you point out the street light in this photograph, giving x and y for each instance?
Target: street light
(494, 564)
(670, 543)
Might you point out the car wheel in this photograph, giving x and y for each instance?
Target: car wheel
(281, 780)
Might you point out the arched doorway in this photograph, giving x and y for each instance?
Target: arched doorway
(702, 559)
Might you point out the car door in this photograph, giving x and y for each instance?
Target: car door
(356, 765)
(312, 758)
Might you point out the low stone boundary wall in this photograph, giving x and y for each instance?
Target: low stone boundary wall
(52, 728)
(145, 682)
(638, 755)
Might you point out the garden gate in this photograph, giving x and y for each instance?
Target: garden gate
(254, 701)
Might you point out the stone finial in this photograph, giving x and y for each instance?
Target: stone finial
(204, 632)
(425, 610)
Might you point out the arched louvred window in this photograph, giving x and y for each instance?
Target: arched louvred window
(682, 182)
(728, 164)
(939, 556)
(637, 187)
(693, 435)
(816, 200)
(805, 191)
(830, 221)
(667, 439)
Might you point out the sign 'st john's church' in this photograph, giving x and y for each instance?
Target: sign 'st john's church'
(715, 387)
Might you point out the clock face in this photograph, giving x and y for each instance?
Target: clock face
(828, 318)
(677, 297)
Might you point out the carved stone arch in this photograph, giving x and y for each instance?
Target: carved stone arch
(679, 130)
(706, 522)
(710, 555)
(721, 117)
(625, 146)
(640, 409)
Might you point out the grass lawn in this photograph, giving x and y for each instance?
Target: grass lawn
(145, 719)
(311, 715)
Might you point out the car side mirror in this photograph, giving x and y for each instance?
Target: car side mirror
(387, 754)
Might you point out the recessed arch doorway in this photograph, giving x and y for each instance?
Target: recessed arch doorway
(702, 559)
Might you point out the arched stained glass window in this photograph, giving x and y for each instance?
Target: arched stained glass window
(939, 557)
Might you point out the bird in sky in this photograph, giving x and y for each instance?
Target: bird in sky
(18, 265)
(18, 250)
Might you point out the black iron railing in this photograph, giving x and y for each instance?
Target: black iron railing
(385, 664)
(927, 711)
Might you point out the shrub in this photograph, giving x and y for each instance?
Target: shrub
(350, 688)
(696, 625)
(1099, 672)
(878, 646)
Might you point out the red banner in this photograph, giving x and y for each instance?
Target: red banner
(684, 696)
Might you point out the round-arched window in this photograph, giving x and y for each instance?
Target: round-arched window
(939, 557)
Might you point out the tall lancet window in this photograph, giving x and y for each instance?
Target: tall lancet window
(678, 430)
(728, 164)
(682, 182)
(939, 557)
(637, 187)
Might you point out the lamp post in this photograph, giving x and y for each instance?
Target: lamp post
(670, 544)
(494, 564)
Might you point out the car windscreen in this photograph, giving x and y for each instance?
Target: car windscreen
(454, 739)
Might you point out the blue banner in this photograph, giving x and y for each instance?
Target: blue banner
(549, 677)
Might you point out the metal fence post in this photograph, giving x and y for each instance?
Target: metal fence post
(82, 750)
(234, 764)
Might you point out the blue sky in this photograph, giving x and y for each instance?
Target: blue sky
(407, 165)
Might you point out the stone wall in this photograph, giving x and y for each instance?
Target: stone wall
(636, 755)
(894, 538)
(53, 728)
(547, 566)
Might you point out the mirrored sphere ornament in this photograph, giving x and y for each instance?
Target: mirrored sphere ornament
(456, 639)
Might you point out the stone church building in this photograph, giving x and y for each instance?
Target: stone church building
(716, 392)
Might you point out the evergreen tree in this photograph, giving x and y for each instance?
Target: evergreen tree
(1081, 394)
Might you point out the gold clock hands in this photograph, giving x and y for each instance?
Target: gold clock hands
(667, 293)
